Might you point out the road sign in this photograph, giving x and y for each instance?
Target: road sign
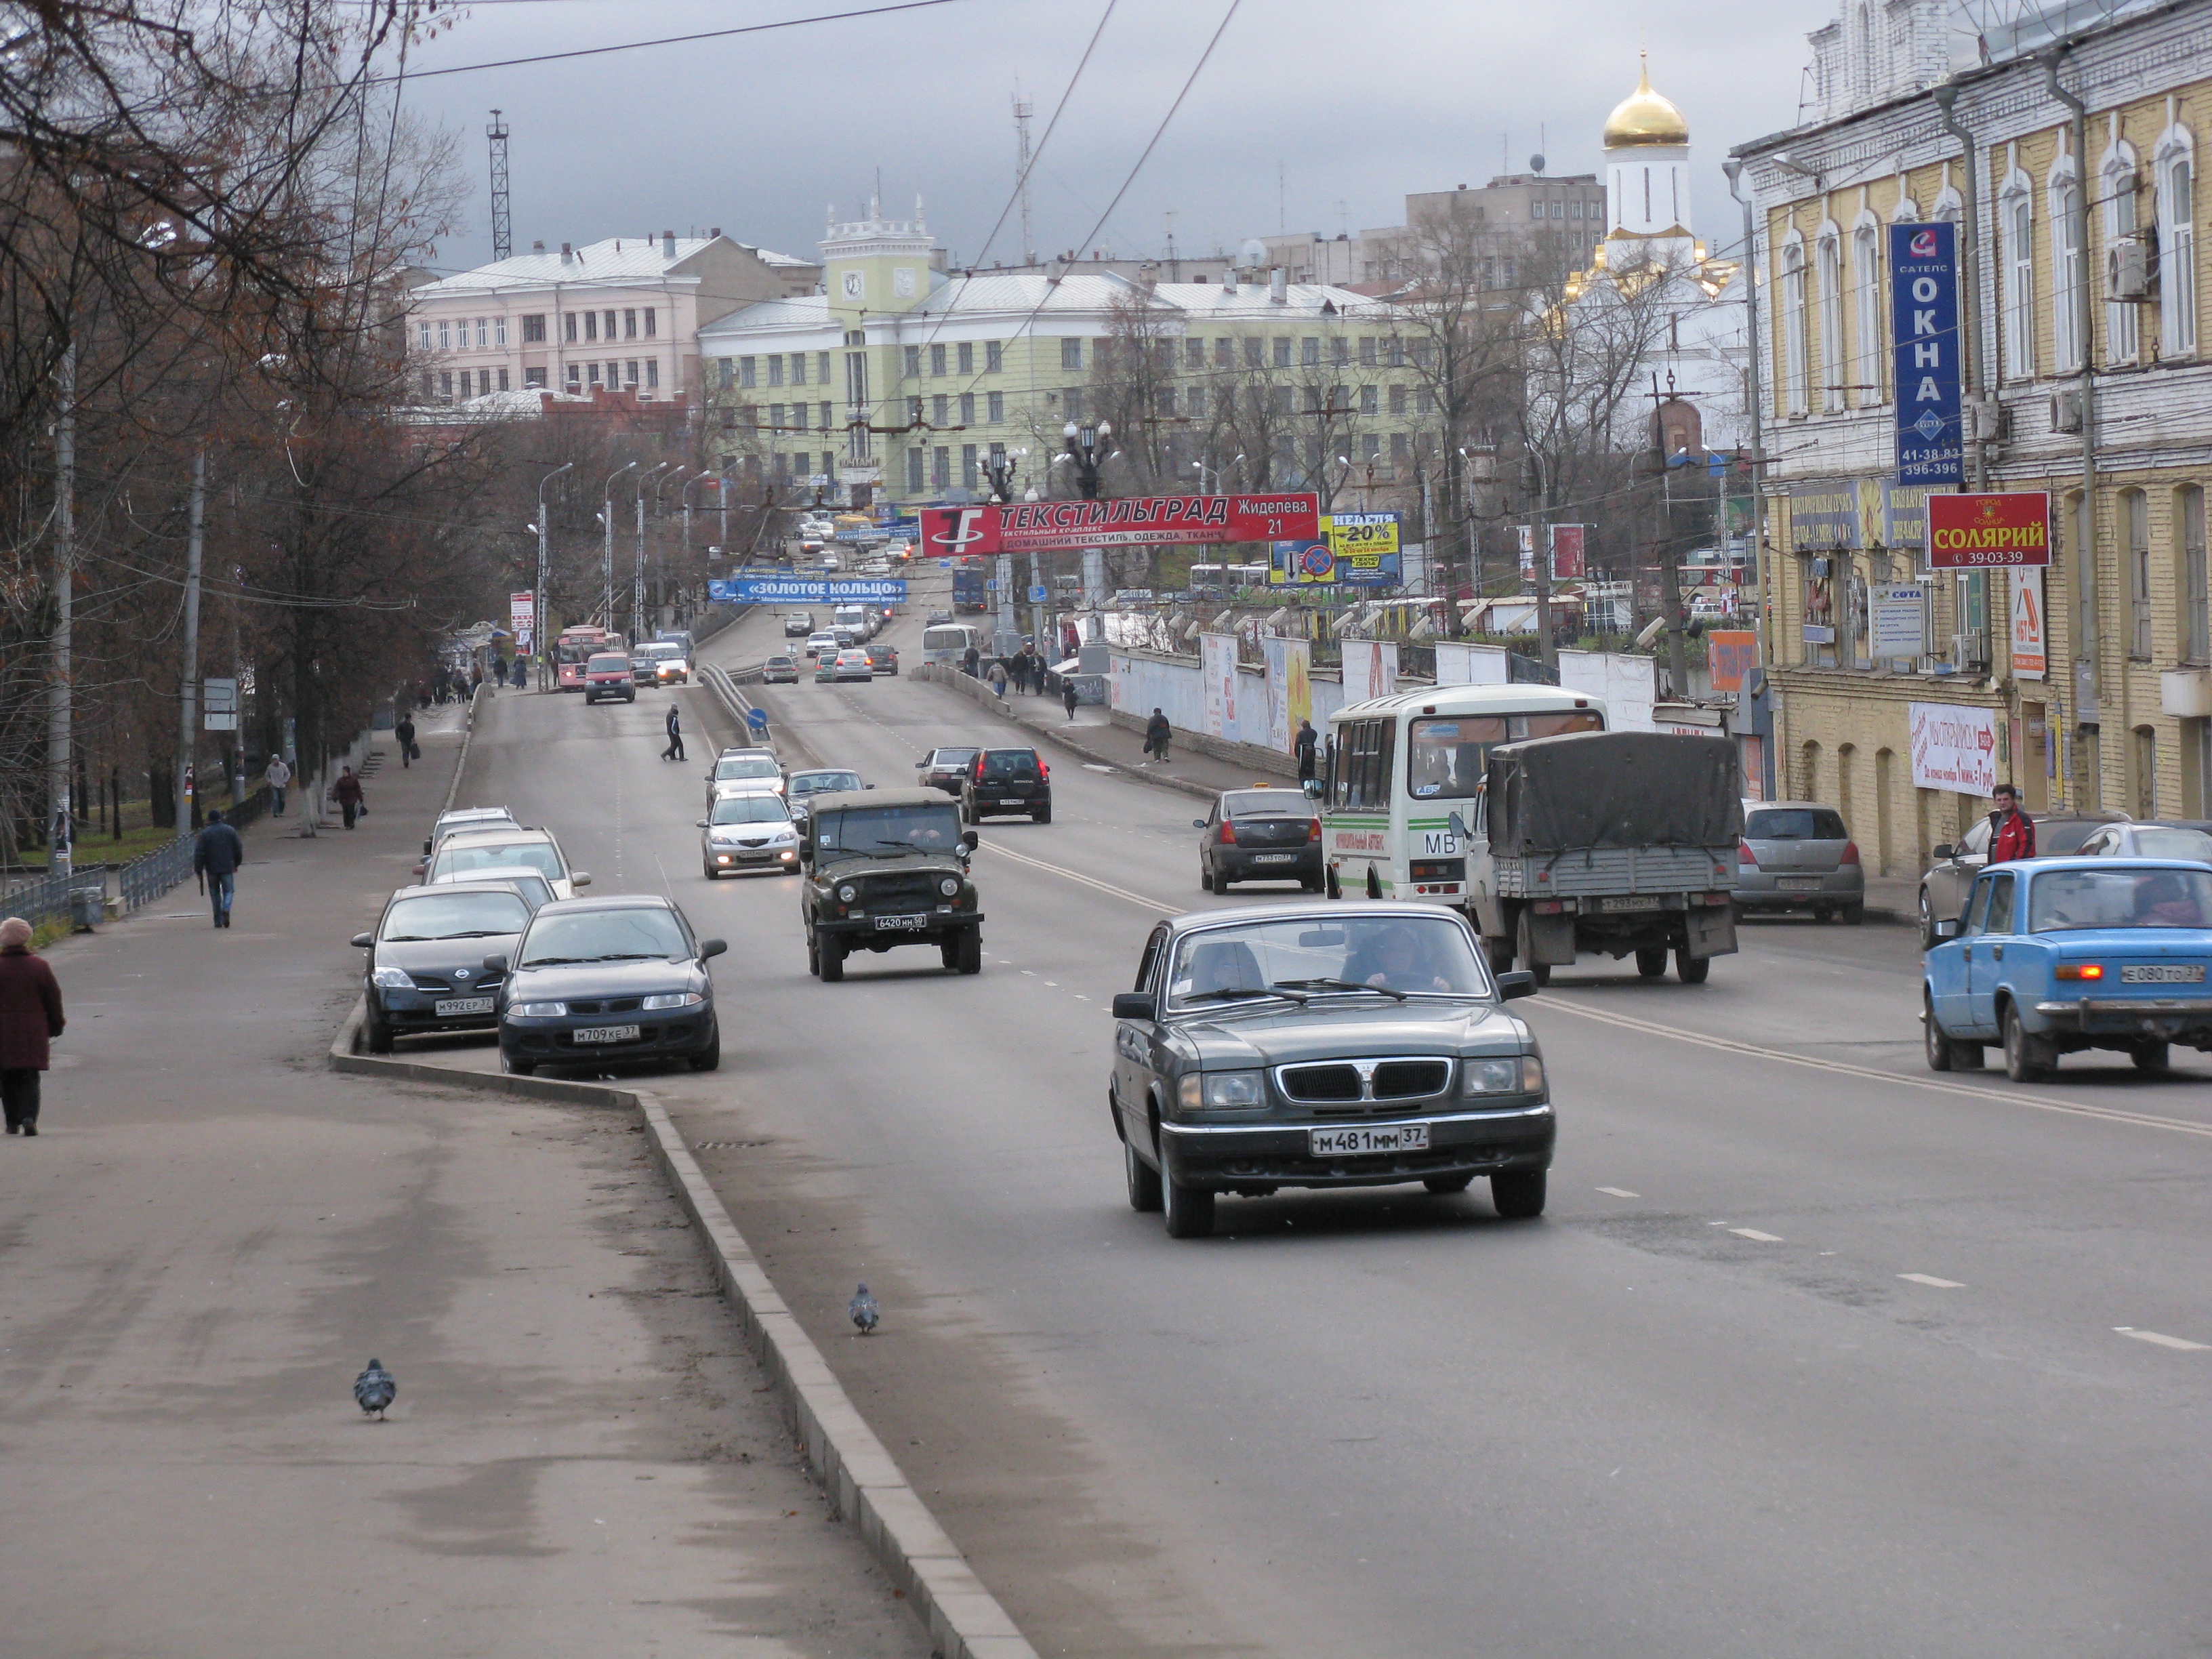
(800, 589)
(219, 703)
(1037, 592)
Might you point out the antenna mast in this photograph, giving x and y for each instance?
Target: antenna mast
(1022, 111)
(503, 228)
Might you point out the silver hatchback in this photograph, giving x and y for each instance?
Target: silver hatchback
(1799, 855)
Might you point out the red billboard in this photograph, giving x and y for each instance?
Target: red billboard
(1982, 531)
(1129, 521)
(1568, 542)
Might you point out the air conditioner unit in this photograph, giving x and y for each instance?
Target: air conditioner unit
(2128, 270)
(1986, 421)
(2066, 410)
(1966, 651)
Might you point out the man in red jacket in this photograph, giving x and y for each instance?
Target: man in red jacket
(30, 1017)
(2015, 830)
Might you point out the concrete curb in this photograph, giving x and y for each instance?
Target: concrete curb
(461, 761)
(865, 1482)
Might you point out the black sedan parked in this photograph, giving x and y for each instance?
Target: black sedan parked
(425, 971)
(1260, 835)
(601, 980)
(1308, 1046)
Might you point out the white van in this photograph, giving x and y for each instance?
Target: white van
(862, 619)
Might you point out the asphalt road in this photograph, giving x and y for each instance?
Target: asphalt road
(1816, 1353)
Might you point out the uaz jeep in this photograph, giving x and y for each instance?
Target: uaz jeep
(886, 867)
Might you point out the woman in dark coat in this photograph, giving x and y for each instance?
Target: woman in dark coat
(30, 1017)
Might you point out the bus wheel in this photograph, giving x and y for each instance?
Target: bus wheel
(1334, 891)
(1374, 883)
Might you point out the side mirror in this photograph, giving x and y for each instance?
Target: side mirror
(1134, 1005)
(427, 849)
(1518, 983)
(420, 866)
(699, 825)
(1459, 828)
(1312, 788)
(494, 964)
(1198, 823)
(1946, 928)
(712, 947)
(579, 878)
(1943, 850)
(869, 786)
(923, 762)
(969, 840)
(364, 940)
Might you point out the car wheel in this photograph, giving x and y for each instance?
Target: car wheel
(2028, 1058)
(1926, 923)
(1205, 877)
(832, 954)
(1309, 884)
(515, 1067)
(1692, 971)
(1187, 1211)
(971, 950)
(1823, 914)
(1329, 884)
(2151, 1056)
(1518, 1194)
(709, 1059)
(1446, 1184)
(1651, 965)
(1854, 915)
(1144, 1195)
(705, 869)
(1936, 1045)
(379, 1033)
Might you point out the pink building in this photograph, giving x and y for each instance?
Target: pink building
(620, 314)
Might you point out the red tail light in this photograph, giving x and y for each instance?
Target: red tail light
(1313, 831)
(1045, 772)
(1745, 856)
(1850, 852)
(1228, 833)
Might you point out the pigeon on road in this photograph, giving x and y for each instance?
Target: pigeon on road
(374, 1389)
(863, 1309)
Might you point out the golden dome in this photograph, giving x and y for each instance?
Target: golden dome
(1643, 118)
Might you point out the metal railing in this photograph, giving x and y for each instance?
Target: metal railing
(146, 877)
(47, 897)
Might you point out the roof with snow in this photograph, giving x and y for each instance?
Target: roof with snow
(616, 259)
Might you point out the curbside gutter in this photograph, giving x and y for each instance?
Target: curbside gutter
(865, 1482)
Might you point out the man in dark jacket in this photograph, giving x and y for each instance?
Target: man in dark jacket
(1306, 746)
(1157, 734)
(30, 1018)
(674, 749)
(346, 792)
(405, 730)
(2015, 831)
(215, 858)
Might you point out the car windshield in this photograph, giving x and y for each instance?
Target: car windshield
(2066, 901)
(749, 809)
(869, 831)
(2170, 842)
(608, 665)
(455, 915)
(654, 652)
(1265, 804)
(2053, 838)
(744, 766)
(537, 855)
(1010, 763)
(954, 757)
(814, 783)
(472, 819)
(631, 935)
(534, 888)
(1795, 823)
(1401, 955)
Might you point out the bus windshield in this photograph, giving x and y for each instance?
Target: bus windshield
(1446, 754)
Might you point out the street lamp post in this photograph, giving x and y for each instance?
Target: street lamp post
(656, 478)
(545, 576)
(683, 573)
(607, 559)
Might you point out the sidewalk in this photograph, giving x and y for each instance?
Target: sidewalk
(212, 1235)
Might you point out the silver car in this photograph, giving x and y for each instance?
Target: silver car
(1944, 886)
(2165, 838)
(1799, 855)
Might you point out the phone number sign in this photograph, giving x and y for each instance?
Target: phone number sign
(1988, 532)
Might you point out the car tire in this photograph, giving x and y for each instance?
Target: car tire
(709, 1059)
(378, 1033)
(706, 870)
(831, 953)
(1854, 915)
(1692, 970)
(515, 1067)
(1444, 1185)
(1144, 1182)
(1518, 1194)
(1309, 885)
(1926, 923)
(1525, 948)
(2028, 1058)
(2153, 1056)
(1187, 1211)
(1651, 965)
(1329, 884)
(971, 950)
(1936, 1046)
(1205, 877)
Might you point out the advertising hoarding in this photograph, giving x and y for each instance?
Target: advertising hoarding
(522, 618)
(1370, 669)
(1352, 550)
(1129, 521)
(1568, 543)
(1217, 655)
(1923, 283)
(1897, 620)
(2031, 651)
(1982, 531)
(1734, 654)
(1954, 747)
(801, 590)
(1290, 686)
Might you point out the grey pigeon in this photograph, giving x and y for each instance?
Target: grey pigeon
(863, 1309)
(374, 1389)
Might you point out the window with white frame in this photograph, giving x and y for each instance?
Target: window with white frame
(2177, 244)
(913, 365)
(445, 334)
(2117, 177)
(484, 332)
(2196, 580)
(499, 333)
(2067, 274)
(1793, 354)
(1866, 292)
(2016, 216)
(1829, 273)
(2134, 517)
(424, 334)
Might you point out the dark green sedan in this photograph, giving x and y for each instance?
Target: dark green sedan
(1322, 1045)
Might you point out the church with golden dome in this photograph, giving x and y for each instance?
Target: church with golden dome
(1647, 165)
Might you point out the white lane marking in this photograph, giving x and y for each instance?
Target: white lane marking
(1904, 1079)
(2182, 1344)
(1054, 983)
(1029, 973)
(1755, 1236)
(1932, 1282)
(1093, 766)
(1157, 907)
(1620, 1192)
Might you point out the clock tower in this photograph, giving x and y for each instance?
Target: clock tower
(875, 265)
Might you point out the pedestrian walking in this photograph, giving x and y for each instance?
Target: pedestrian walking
(1068, 699)
(30, 1018)
(1306, 746)
(1158, 733)
(404, 729)
(674, 749)
(998, 680)
(346, 792)
(969, 661)
(521, 673)
(475, 678)
(217, 855)
(279, 778)
(2015, 831)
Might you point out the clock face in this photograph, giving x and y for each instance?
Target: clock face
(855, 284)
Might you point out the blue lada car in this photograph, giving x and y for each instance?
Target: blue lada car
(2052, 955)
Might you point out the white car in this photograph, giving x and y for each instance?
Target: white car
(747, 830)
(757, 768)
(818, 643)
(470, 851)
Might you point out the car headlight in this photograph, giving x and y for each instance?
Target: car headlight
(1222, 1091)
(392, 979)
(949, 886)
(673, 1000)
(848, 893)
(537, 1010)
(1510, 1074)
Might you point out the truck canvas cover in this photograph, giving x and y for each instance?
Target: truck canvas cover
(1592, 789)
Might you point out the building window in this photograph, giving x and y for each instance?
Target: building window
(629, 372)
(2066, 271)
(610, 324)
(2196, 595)
(484, 333)
(967, 409)
(590, 325)
(429, 381)
(995, 405)
(1166, 403)
(936, 360)
(799, 369)
(1371, 400)
(1224, 353)
(533, 330)
(966, 357)
(1194, 352)
(576, 377)
(1070, 400)
(1071, 354)
(1282, 351)
(444, 335)
(629, 325)
(914, 362)
(1310, 352)
(914, 412)
(1339, 350)
(2134, 518)
(1367, 351)
(533, 380)
(2017, 216)
(568, 327)
(1828, 255)
(914, 469)
(1194, 403)
(445, 386)
(775, 369)
(1425, 399)
(2176, 248)
(727, 373)
(1866, 288)
(1794, 401)
(1397, 400)
(776, 417)
(652, 371)
(503, 386)
(940, 410)
(1255, 352)
(2122, 339)
(1400, 449)
(746, 375)
(827, 421)
(967, 466)
(424, 334)
(822, 368)
(649, 326)
(729, 419)
(993, 357)
(1279, 399)
(940, 472)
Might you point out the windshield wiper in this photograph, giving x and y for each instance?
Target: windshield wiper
(407, 939)
(1339, 985)
(553, 961)
(481, 933)
(627, 956)
(1241, 993)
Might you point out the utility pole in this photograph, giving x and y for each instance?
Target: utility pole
(540, 620)
(656, 478)
(607, 558)
(188, 695)
(1539, 560)
(59, 706)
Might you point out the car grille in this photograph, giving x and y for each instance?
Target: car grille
(608, 1006)
(467, 987)
(917, 891)
(1341, 1081)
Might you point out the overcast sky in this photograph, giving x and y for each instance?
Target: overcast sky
(1308, 117)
